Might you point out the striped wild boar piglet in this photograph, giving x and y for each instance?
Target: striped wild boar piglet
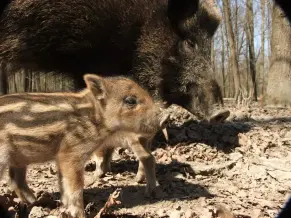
(69, 127)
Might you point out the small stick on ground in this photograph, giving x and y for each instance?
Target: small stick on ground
(109, 203)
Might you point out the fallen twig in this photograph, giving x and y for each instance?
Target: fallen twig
(110, 202)
(270, 166)
(223, 212)
(207, 170)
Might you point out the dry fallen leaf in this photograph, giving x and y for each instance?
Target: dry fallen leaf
(110, 202)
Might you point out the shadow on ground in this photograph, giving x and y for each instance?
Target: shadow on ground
(223, 136)
(172, 187)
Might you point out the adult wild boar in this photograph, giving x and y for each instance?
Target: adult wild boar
(164, 45)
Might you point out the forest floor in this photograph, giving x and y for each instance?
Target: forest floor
(243, 164)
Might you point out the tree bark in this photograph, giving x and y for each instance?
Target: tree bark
(270, 16)
(263, 4)
(3, 80)
(247, 67)
(213, 56)
(27, 80)
(250, 39)
(279, 79)
(222, 60)
(232, 47)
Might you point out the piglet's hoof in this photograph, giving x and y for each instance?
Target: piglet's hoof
(154, 192)
(140, 178)
(99, 174)
(101, 169)
(66, 213)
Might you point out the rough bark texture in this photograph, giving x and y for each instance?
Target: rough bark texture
(270, 15)
(263, 5)
(213, 56)
(3, 80)
(279, 80)
(27, 81)
(232, 47)
(250, 39)
(222, 61)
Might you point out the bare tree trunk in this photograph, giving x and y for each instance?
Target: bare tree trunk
(250, 39)
(232, 47)
(270, 16)
(15, 83)
(279, 79)
(213, 56)
(27, 78)
(228, 69)
(38, 82)
(236, 24)
(45, 82)
(247, 67)
(229, 75)
(222, 60)
(3, 80)
(263, 4)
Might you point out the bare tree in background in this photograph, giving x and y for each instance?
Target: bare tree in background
(279, 77)
(251, 47)
(232, 47)
(270, 15)
(3, 80)
(262, 63)
(213, 55)
(27, 80)
(222, 61)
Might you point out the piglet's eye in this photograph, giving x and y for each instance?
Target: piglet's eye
(130, 101)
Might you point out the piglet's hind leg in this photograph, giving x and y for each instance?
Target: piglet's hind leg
(72, 180)
(19, 184)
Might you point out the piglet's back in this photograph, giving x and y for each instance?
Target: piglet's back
(34, 122)
(34, 109)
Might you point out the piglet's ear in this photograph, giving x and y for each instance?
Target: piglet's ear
(96, 85)
(179, 10)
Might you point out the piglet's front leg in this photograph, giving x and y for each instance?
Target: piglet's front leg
(71, 175)
(141, 173)
(147, 164)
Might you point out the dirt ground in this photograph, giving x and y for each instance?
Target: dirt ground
(243, 164)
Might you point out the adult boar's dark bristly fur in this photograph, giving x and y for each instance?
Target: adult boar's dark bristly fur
(285, 5)
(162, 44)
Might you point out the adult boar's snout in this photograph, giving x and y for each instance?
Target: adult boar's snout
(164, 119)
(219, 116)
